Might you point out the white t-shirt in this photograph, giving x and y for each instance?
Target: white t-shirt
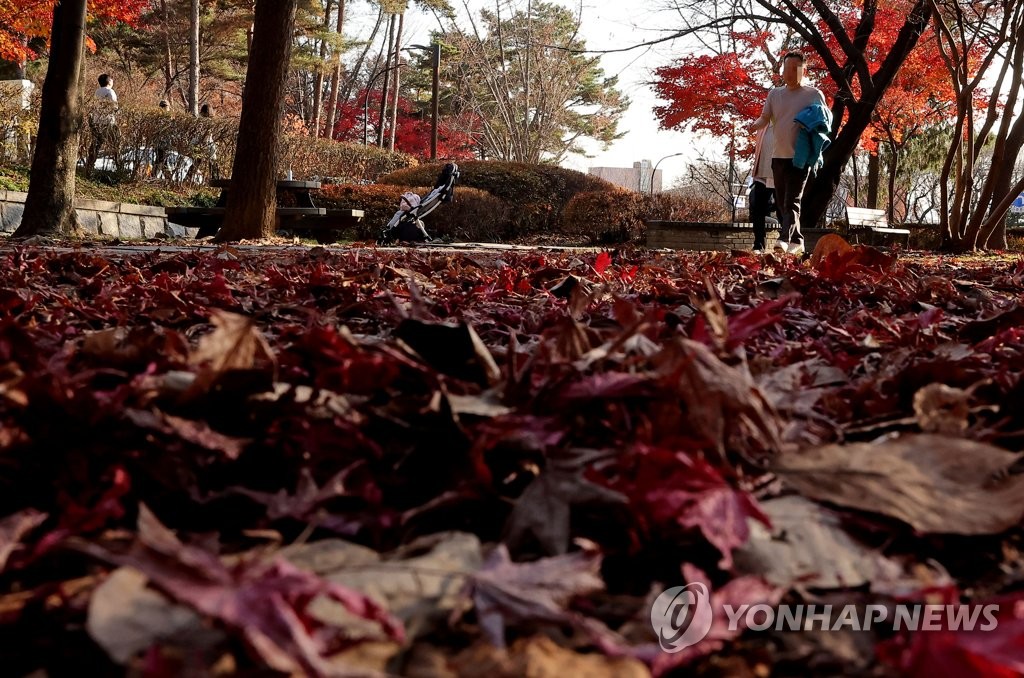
(104, 106)
(106, 94)
(781, 109)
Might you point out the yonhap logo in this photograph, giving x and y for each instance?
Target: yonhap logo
(681, 616)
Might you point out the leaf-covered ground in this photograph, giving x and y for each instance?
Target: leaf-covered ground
(442, 463)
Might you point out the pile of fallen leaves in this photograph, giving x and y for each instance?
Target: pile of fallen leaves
(491, 463)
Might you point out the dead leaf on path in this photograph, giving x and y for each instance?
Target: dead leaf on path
(540, 657)
(935, 483)
(505, 592)
(942, 409)
(13, 528)
(829, 244)
(126, 618)
(266, 604)
(454, 349)
(543, 511)
(235, 344)
(192, 431)
(807, 547)
(723, 404)
(420, 590)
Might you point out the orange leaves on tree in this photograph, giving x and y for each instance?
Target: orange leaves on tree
(24, 20)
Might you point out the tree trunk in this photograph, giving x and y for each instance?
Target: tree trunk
(385, 86)
(168, 68)
(334, 100)
(350, 81)
(50, 205)
(251, 199)
(398, 79)
(821, 188)
(873, 177)
(318, 81)
(193, 60)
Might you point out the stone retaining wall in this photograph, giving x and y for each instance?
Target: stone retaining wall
(689, 235)
(99, 217)
(716, 237)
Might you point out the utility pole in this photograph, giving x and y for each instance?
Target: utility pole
(732, 171)
(436, 85)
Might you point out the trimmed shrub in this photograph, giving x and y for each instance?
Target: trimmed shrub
(692, 208)
(618, 216)
(200, 142)
(473, 215)
(606, 216)
(536, 195)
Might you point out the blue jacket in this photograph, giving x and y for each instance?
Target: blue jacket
(815, 124)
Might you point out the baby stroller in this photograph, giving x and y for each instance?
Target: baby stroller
(407, 225)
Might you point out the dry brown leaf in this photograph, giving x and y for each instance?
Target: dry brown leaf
(723, 404)
(235, 344)
(942, 409)
(540, 657)
(828, 244)
(126, 617)
(807, 547)
(935, 483)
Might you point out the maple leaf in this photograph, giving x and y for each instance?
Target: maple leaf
(981, 650)
(543, 511)
(673, 487)
(736, 593)
(506, 593)
(264, 603)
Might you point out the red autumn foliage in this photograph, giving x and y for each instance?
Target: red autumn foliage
(709, 92)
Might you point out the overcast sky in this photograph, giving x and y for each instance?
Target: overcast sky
(610, 25)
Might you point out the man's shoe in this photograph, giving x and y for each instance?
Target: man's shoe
(782, 247)
(796, 249)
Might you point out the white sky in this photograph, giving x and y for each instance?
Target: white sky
(613, 24)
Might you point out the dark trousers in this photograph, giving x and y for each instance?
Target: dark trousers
(762, 203)
(789, 189)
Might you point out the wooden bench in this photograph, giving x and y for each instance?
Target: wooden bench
(873, 224)
(295, 212)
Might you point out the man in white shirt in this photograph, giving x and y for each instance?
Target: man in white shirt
(102, 119)
(106, 89)
(780, 110)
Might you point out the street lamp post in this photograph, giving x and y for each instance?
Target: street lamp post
(435, 65)
(655, 170)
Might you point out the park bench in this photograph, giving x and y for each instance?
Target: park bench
(295, 211)
(873, 226)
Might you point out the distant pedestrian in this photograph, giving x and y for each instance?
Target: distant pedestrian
(210, 146)
(780, 110)
(103, 120)
(162, 140)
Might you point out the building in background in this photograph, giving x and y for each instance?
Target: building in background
(635, 178)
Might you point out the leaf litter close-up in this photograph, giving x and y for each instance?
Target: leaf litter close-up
(466, 463)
